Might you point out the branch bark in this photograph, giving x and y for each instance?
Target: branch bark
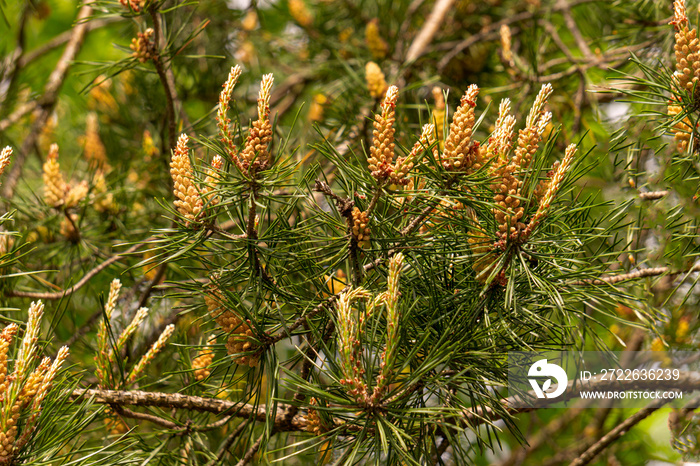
(642, 273)
(192, 403)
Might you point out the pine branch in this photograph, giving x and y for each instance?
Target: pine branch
(192, 403)
(642, 273)
(126, 412)
(620, 430)
(653, 195)
(60, 40)
(86, 278)
(689, 381)
(11, 67)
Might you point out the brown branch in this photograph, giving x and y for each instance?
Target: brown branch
(617, 432)
(375, 200)
(344, 205)
(214, 425)
(47, 102)
(75, 239)
(188, 427)
(221, 230)
(533, 443)
(192, 403)
(160, 273)
(518, 456)
(642, 273)
(287, 93)
(405, 25)
(689, 381)
(126, 412)
(77, 286)
(252, 450)
(488, 33)
(556, 38)
(415, 223)
(427, 32)
(18, 114)
(80, 332)
(653, 195)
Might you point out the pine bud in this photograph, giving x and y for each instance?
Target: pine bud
(300, 12)
(255, 154)
(144, 46)
(187, 197)
(382, 149)
(55, 187)
(204, 358)
(222, 119)
(5, 156)
(94, 149)
(459, 150)
(376, 45)
(360, 228)
(506, 50)
(376, 82)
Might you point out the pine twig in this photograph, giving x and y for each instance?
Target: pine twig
(252, 450)
(427, 32)
(287, 331)
(653, 195)
(11, 67)
(86, 278)
(157, 420)
(192, 403)
(620, 430)
(160, 273)
(642, 273)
